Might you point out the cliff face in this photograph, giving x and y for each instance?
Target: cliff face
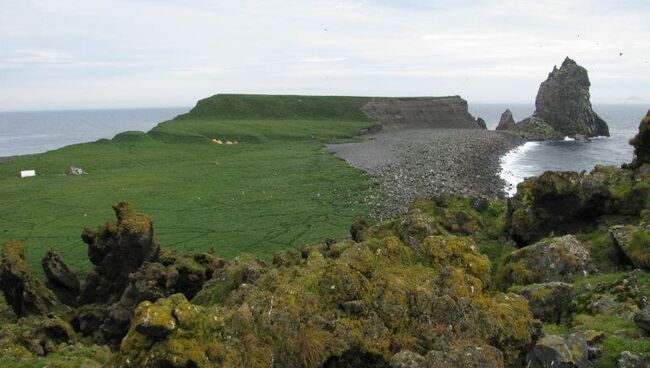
(563, 102)
(507, 122)
(425, 112)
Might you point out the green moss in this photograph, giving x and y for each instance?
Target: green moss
(639, 248)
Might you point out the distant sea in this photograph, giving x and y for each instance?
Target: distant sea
(39, 131)
(534, 158)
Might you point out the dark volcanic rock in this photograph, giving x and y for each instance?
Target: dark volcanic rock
(534, 128)
(23, 291)
(60, 278)
(641, 143)
(507, 122)
(563, 102)
(421, 112)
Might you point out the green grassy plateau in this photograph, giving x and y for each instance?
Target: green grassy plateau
(276, 188)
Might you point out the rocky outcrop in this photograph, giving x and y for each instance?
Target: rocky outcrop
(557, 259)
(641, 143)
(117, 249)
(507, 122)
(22, 290)
(563, 102)
(565, 202)
(60, 278)
(422, 112)
(642, 319)
(342, 304)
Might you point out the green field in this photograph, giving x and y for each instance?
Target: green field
(276, 188)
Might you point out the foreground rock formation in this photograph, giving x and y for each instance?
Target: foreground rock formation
(562, 108)
(442, 286)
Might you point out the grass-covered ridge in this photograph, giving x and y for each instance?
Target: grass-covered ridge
(276, 188)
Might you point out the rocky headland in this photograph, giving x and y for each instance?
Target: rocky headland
(557, 276)
(562, 108)
(421, 112)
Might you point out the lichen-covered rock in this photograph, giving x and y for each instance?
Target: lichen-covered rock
(342, 304)
(641, 143)
(548, 301)
(631, 360)
(557, 259)
(60, 278)
(117, 249)
(463, 356)
(563, 102)
(622, 297)
(22, 290)
(416, 226)
(634, 243)
(565, 202)
(556, 351)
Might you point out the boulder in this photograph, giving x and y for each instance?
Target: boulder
(642, 319)
(557, 351)
(481, 123)
(556, 259)
(548, 301)
(22, 290)
(641, 143)
(634, 243)
(631, 360)
(60, 278)
(507, 122)
(563, 102)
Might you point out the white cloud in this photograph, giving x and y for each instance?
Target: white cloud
(141, 53)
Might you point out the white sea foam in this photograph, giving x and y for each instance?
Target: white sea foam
(567, 138)
(508, 174)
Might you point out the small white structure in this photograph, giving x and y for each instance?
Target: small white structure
(76, 170)
(27, 173)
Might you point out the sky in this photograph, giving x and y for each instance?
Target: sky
(74, 54)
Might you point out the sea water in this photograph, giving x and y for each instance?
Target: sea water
(534, 158)
(39, 131)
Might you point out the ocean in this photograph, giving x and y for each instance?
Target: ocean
(39, 131)
(534, 158)
(28, 132)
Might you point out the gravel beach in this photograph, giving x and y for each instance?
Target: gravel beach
(412, 163)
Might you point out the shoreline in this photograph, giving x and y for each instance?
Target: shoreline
(415, 163)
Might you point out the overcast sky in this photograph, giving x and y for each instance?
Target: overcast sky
(70, 54)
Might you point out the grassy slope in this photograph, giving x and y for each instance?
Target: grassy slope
(276, 188)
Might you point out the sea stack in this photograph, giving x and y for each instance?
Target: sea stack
(563, 102)
(507, 122)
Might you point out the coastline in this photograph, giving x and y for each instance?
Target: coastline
(413, 163)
